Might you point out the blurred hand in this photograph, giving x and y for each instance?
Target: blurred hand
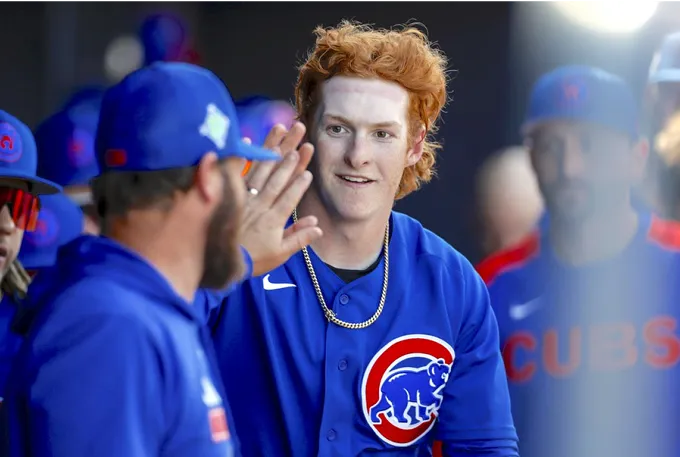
(280, 186)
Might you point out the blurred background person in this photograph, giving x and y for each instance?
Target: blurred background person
(20, 193)
(509, 202)
(661, 184)
(66, 156)
(667, 155)
(60, 221)
(572, 301)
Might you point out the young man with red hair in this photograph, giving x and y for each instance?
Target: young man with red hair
(378, 338)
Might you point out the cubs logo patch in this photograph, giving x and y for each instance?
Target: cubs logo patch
(11, 147)
(402, 387)
(80, 148)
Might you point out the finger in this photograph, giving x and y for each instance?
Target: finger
(275, 136)
(278, 180)
(305, 222)
(289, 199)
(305, 152)
(260, 171)
(293, 138)
(299, 239)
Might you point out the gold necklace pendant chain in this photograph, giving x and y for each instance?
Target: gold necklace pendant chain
(330, 315)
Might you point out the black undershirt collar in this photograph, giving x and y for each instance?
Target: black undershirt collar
(351, 275)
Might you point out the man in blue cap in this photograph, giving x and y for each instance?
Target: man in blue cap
(117, 360)
(20, 191)
(587, 306)
(59, 222)
(66, 156)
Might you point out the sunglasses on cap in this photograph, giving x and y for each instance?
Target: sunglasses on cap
(23, 207)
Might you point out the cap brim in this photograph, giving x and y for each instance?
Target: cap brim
(39, 186)
(255, 153)
(670, 75)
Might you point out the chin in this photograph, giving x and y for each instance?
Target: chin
(354, 211)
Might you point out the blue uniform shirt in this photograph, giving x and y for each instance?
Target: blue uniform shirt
(592, 352)
(429, 367)
(115, 364)
(9, 341)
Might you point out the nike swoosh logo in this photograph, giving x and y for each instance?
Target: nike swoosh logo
(268, 285)
(524, 310)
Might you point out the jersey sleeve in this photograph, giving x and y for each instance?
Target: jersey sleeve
(98, 391)
(475, 417)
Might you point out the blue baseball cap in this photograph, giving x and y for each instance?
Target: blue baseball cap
(586, 94)
(59, 221)
(18, 155)
(169, 115)
(665, 66)
(65, 143)
(87, 100)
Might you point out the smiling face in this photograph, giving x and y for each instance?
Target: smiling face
(360, 131)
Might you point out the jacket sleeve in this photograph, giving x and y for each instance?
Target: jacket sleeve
(97, 391)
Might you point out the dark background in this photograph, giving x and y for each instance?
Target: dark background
(497, 50)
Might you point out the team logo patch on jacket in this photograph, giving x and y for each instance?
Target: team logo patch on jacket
(402, 387)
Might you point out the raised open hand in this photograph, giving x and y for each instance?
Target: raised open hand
(275, 190)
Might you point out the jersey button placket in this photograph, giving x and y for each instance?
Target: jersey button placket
(332, 441)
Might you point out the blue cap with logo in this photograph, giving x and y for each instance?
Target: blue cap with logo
(585, 94)
(169, 115)
(18, 155)
(59, 221)
(665, 66)
(66, 148)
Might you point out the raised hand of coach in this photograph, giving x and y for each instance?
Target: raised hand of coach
(275, 189)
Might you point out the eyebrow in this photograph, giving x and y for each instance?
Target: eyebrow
(344, 120)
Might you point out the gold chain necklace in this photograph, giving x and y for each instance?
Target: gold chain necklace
(330, 315)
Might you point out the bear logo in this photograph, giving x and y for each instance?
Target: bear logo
(402, 387)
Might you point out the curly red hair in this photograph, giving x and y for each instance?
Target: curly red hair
(404, 56)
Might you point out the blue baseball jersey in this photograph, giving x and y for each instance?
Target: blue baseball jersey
(592, 352)
(115, 363)
(428, 369)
